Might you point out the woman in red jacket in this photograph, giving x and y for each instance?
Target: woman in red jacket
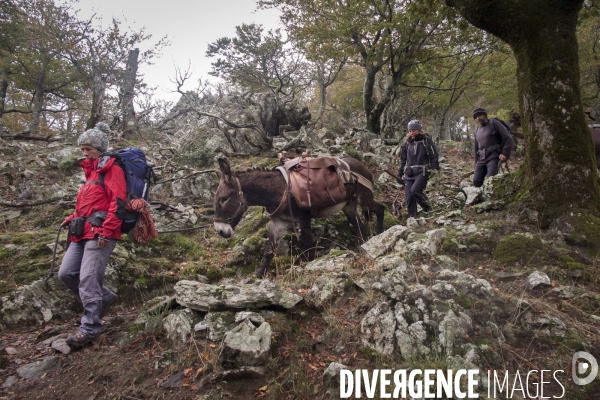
(94, 229)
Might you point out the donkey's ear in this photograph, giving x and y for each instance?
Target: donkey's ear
(225, 167)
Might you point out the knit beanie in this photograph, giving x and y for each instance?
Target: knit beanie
(479, 111)
(415, 124)
(96, 137)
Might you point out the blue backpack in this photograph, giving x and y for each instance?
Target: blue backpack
(138, 176)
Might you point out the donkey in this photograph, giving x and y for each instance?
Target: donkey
(267, 188)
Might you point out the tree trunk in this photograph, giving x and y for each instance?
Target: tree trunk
(97, 101)
(322, 92)
(368, 100)
(560, 169)
(37, 103)
(130, 124)
(3, 87)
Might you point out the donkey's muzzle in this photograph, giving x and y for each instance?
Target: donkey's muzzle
(223, 229)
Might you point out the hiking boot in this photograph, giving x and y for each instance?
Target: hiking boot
(78, 340)
(106, 305)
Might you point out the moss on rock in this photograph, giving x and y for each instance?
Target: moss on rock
(519, 247)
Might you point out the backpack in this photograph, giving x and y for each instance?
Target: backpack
(138, 176)
(435, 146)
(496, 132)
(428, 139)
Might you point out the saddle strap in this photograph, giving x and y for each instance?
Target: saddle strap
(361, 179)
(284, 199)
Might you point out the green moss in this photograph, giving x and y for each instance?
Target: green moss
(464, 301)
(519, 247)
(23, 238)
(176, 247)
(352, 152)
(587, 303)
(485, 242)
(255, 243)
(213, 273)
(65, 165)
(335, 253)
(6, 254)
(368, 352)
(586, 233)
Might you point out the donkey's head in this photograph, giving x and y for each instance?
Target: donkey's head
(230, 203)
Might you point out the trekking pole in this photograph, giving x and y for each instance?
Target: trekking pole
(51, 274)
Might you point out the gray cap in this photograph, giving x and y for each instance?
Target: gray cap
(96, 137)
(415, 124)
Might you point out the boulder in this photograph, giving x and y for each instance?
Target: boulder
(261, 293)
(378, 327)
(381, 244)
(246, 345)
(37, 304)
(538, 280)
(333, 370)
(331, 263)
(214, 325)
(327, 288)
(178, 325)
(39, 368)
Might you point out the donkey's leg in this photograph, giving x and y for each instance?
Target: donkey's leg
(277, 228)
(369, 205)
(379, 210)
(306, 236)
(351, 212)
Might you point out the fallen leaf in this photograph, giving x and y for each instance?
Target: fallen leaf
(186, 381)
(187, 371)
(264, 388)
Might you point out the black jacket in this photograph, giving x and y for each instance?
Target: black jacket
(420, 151)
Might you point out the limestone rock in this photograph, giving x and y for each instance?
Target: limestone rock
(246, 345)
(39, 368)
(37, 304)
(61, 346)
(381, 244)
(333, 370)
(564, 292)
(538, 280)
(178, 325)
(331, 263)
(327, 288)
(215, 325)
(473, 195)
(390, 261)
(205, 297)
(377, 329)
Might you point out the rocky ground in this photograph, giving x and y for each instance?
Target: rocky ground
(473, 284)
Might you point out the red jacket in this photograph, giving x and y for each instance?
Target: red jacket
(95, 196)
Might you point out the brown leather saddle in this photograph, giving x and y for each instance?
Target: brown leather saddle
(315, 183)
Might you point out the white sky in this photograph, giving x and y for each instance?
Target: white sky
(189, 24)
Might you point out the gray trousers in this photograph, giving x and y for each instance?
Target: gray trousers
(82, 270)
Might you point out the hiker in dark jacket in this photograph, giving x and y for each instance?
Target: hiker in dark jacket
(418, 157)
(493, 144)
(98, 213)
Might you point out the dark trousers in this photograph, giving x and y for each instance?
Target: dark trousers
(413, 191)
(482, 171)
